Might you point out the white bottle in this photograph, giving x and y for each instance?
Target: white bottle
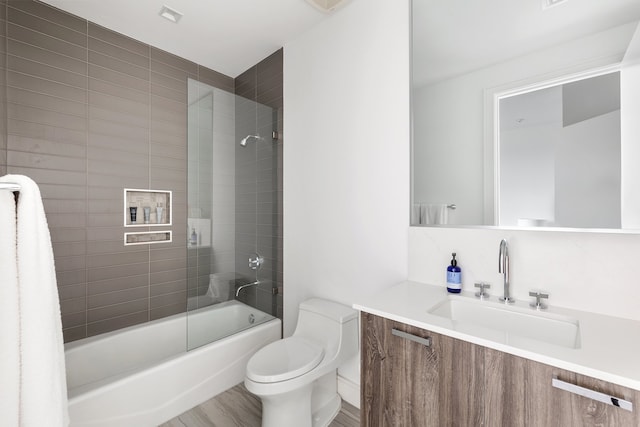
(159, 214)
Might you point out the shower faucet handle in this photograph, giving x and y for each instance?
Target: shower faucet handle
(255, 261)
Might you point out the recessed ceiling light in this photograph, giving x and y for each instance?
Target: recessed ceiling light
(170, 14)
(546, 4)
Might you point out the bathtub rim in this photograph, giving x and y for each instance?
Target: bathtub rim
(73, 345)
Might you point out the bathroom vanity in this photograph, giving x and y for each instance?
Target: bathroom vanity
(423, 366)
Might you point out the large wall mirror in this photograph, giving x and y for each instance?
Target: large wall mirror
(525, 114)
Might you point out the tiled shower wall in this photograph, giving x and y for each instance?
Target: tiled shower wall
(88, 113)
(3, 88)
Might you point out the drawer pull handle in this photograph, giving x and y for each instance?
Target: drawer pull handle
(424, 341)
(592, 394)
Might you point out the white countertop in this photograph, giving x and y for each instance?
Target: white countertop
(609, 346)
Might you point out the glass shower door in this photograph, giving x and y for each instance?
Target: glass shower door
(232, 214)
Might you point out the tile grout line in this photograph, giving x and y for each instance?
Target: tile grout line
(86, 169)
(149, 114)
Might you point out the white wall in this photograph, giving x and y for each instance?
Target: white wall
(587, 173)
(527, 163)
(346, 157)
(630, 134)
(589, 271)
(568, 176)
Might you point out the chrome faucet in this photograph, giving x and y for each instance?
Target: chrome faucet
(503, 267)
(257, 282)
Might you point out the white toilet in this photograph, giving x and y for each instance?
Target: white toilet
(296, 377)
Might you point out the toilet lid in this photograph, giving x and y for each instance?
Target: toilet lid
(284, 359)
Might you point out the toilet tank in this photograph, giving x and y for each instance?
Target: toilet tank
(332, 325)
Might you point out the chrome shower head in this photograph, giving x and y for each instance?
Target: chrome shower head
(243, 141)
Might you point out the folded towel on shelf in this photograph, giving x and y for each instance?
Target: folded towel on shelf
(42, 394)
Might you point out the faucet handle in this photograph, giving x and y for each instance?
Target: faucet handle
(538, 305)
(482, 294)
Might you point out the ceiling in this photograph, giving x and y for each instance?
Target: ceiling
(563, 104)
(454, 37)
(450, 37)
(228, 36)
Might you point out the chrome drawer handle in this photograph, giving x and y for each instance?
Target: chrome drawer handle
(592, 394)
(424, 341)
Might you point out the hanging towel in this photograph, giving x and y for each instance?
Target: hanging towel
(9, 320)
(437, 214)
(429, 214)
(42, 394)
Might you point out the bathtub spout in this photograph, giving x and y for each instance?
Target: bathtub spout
(257, 282)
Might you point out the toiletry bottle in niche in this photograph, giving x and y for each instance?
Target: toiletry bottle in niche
(147, 214)
(159, 218)
(133, 211)
(194, 237)
(454, 276)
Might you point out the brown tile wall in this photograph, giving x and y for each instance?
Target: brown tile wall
(88, 113)
(3, 88)
(259, 204)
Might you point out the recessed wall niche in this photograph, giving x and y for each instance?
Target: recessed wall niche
(147, 207)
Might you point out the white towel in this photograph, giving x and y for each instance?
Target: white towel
(437, 214)
(430, 214)
(9, 325)
(42, 390)
(418, 214)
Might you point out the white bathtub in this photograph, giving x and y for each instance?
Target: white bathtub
(142, 375)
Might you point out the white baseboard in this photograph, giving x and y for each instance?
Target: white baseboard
(349, 391)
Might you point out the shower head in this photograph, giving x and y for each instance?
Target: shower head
(243, 141)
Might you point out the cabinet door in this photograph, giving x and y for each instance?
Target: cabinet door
(568, 409)
(382, 374)
(406, 383)
(519, 393)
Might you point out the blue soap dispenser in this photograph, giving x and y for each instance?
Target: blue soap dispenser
(454, 276)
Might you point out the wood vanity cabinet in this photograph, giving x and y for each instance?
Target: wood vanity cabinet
(405, 383)
(455, 383)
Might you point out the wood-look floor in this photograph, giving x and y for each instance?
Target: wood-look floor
(238, 408)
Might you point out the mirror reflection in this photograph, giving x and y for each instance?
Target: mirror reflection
(559, 155)
(517, 117)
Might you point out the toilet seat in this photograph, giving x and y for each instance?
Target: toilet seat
(284, 359)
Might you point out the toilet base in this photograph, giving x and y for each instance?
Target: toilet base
(313, 405)
(323, 416)
(294, 410)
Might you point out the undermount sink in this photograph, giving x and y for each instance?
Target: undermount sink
(509, 324)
